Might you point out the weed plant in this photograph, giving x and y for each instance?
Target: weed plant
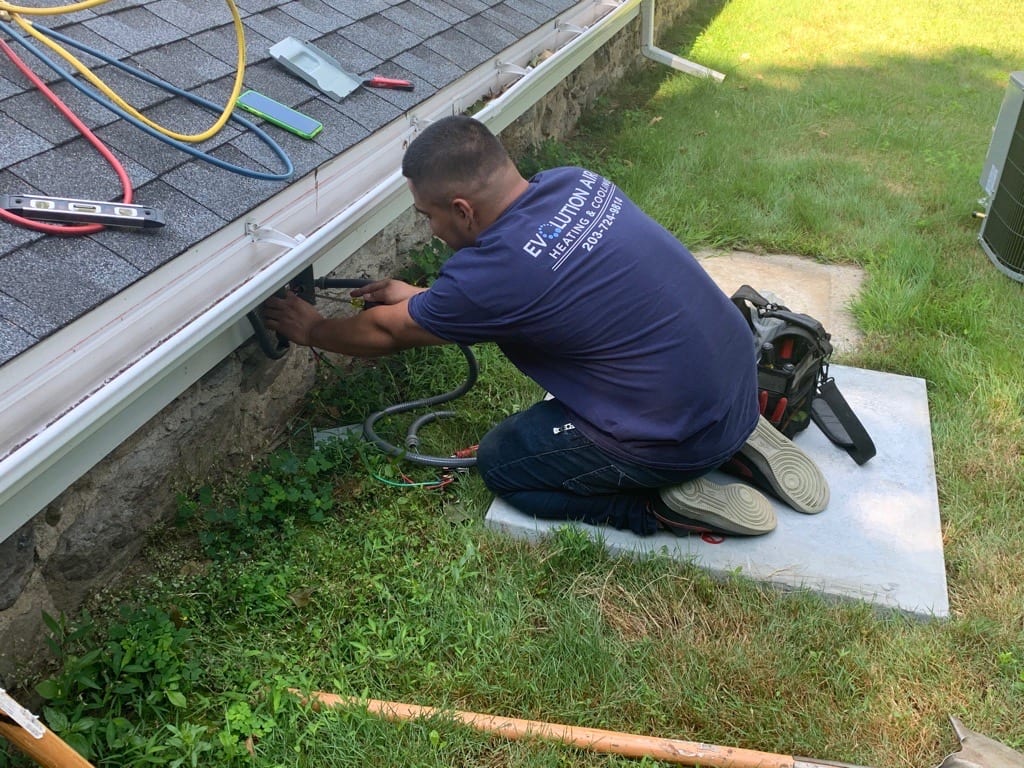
(848, 132)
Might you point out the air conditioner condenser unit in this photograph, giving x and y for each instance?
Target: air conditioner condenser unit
(1002, 178)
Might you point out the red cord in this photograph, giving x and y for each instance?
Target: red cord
(126, 183)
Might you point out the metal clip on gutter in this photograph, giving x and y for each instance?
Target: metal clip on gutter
(274, 348)
(513, 70)
(507, 68)
(572, 29)
(270, 235)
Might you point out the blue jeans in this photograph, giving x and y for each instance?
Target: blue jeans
(538, 462)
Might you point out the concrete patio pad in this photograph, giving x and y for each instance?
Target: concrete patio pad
(880, 539)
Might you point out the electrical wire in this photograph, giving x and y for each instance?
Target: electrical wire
(432, 485)
(437, 484)
(236, 89)
(267, 140)
(122, 175)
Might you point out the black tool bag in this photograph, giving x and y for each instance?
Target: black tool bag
(794, 387)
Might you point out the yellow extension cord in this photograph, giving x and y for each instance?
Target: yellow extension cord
(17, 11)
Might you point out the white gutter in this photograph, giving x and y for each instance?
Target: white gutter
(73, 398)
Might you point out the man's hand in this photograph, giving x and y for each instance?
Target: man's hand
(292, 317)
(379, 330)
(386, 291)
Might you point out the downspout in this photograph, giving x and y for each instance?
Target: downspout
(651, 51)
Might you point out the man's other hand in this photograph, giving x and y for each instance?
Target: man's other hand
(386, 291)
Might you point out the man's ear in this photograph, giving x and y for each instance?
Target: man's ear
(463, 210)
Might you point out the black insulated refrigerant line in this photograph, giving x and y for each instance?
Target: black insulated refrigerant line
(411, 438)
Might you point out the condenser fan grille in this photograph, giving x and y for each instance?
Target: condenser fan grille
(1002, 233)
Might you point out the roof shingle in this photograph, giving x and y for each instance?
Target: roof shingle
(47, 281)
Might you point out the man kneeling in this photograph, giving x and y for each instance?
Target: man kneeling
(650, 367)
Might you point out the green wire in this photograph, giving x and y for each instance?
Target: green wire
(397, 484)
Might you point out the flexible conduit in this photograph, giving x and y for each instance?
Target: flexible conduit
(411, 439)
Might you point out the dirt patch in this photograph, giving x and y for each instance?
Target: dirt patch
(824, 291)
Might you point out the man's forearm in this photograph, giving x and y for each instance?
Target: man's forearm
(374, 332)
(357, 336)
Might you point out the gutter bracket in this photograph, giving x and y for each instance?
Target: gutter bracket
(270, 235)
(507, 68)
(416, 124)
(651, 51)
(572, 29)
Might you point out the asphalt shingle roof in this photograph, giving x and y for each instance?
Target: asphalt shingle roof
(47, 282)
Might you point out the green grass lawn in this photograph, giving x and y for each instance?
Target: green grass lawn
(847, 132)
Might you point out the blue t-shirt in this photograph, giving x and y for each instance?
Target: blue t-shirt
(611, 314)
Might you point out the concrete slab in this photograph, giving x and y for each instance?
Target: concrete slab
(824, 291)
(880, 538)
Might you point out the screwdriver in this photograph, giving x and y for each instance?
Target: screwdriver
(389, 82)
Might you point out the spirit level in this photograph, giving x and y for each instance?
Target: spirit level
(68, 210)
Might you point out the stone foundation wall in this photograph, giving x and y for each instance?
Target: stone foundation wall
(87, 536)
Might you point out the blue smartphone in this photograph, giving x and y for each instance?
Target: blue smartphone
(278, 114)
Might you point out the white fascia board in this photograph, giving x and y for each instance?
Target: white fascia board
(71, 399)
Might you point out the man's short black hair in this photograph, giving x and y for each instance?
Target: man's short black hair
(453, 156)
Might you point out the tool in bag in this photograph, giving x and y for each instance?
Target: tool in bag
(794, 387)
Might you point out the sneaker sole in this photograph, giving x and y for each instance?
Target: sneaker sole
(736, 508)
(792, 473)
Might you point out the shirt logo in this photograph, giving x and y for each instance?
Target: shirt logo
(589, 211)
(549, 231)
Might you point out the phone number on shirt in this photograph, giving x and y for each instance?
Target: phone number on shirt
(603, 225)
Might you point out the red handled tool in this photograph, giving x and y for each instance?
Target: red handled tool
(388, 82)
(780, 408)
(786, 349)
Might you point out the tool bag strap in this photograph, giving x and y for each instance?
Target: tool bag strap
(835, 417)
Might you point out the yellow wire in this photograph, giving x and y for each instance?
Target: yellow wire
(81, 6)
(109, 92)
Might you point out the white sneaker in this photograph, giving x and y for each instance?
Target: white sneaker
(791, 473)
(701, 506)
